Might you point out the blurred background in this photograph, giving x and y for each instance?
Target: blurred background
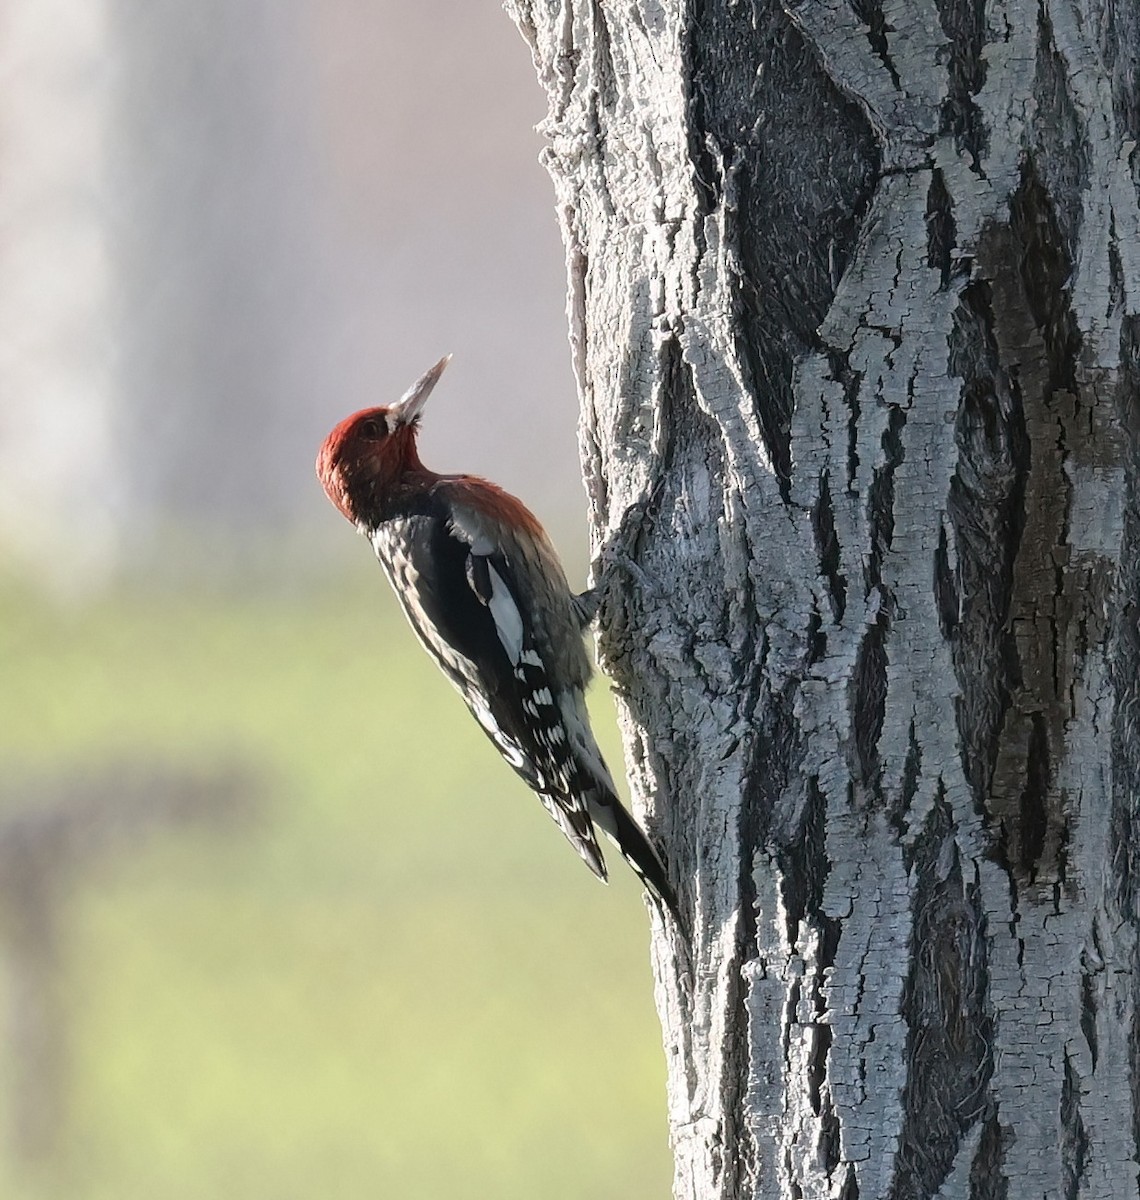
(275, 921)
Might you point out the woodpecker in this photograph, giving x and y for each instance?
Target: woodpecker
(483, 589)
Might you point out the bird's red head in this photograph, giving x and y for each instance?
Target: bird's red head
(367, 456)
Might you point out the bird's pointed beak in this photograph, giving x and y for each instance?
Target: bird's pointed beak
(411, 403)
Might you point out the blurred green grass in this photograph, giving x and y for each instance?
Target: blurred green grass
(397, 980)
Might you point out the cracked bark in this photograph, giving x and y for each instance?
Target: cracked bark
(854, 300)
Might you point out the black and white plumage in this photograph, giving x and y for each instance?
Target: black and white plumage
(487, 597)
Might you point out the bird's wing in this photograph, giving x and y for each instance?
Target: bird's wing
(462, 599)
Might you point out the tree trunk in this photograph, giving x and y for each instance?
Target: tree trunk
(853, 297)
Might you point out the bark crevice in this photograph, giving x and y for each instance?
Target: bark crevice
(759, 94)
(988, 1180)
(941, 233)
(870, 12)
(1075, 1143)
(984, 511)
(964, 24)
(827, 548)
(950, 1032)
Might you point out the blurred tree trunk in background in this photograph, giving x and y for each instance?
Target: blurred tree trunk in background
(853, 296)
(164, 311)
(226, 306)
(59, 464)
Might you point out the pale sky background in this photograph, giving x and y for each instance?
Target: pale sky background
(225, 225)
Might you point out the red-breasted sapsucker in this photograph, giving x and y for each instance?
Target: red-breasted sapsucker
(485, 593)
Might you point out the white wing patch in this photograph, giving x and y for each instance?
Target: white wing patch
(508, 620)
(468, 525)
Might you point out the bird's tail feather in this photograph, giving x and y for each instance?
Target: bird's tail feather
(637, 850)
(573, 818)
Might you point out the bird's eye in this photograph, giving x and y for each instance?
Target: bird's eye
(372, 430)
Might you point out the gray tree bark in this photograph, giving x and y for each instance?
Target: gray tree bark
(853, 293)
